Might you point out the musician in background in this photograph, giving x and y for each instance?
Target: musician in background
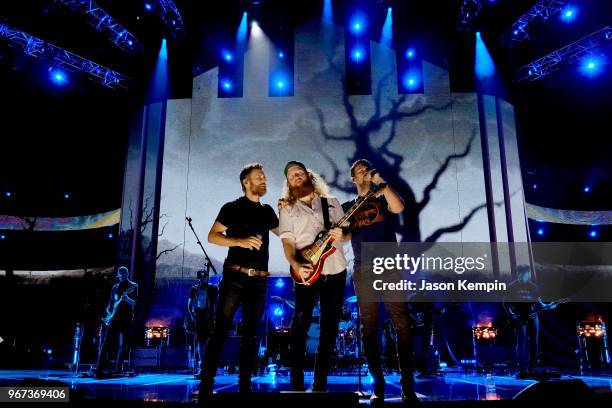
(243, 225)
(308, 210)
(118, 321)
(522, 302)
(201, 308)
(375, 221)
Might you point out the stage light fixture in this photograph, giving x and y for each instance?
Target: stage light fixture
(540, 231)
(58, 76)
(358, 54)
(593, 233)
(2, 236)
(228, 57)
(66, 196)
(534, 186)
(227, 85)
(586, 189)
(281, 54)
(8, 193)
(148, 6)
(278, 311)
(110, 235)
(410, 53)
(569, 13)
(279, 283)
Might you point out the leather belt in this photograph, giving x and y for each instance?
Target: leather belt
(248, 271)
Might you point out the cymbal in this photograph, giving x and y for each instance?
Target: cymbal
(352, 299)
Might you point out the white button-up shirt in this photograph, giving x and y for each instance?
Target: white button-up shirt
(301, 223)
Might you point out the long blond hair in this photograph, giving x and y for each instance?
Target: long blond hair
(320, 187)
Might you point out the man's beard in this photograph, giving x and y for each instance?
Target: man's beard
(259, 190)
(302, 190)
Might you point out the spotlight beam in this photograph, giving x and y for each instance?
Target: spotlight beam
(567, 55)
(103, 22)
(542, 10)
(62, 58)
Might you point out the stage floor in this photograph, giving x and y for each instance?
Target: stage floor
(169, 387)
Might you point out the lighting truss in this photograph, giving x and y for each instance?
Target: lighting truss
(468, 13)
(171, 17)
(61, 58)
(103, 22)
(567, 55)
(542, 10)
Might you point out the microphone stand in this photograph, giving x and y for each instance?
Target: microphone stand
(208, 265)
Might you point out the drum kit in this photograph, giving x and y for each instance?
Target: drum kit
(279, 332)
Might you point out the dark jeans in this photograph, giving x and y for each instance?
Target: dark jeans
(249, 292)
(369, 313)
(118, 328)
(527, 344)
(329, 289)
(202, 325)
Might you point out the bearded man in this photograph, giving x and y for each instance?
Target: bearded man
(306, 209)
(243, 226)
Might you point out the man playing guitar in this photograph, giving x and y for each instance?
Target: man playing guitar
(120, 313)
(307, 210)
(523, 303)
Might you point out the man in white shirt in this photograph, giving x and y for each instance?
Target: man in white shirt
(301, 219)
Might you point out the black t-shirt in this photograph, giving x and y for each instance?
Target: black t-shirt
(373, 222)
(244, 218)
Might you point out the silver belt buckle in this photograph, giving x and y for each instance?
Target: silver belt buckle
(251, 272)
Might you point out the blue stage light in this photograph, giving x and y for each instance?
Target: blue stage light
(110, 235)
(484, 66)
(593, 233)
(569, 13)
(58, 76)
(278, 311)
(130, 42)
(281, 54)
(8, 193)
(358, 54)
(586, 189)
(540, 231)
(227, 85)
(280, 84)
(279, 283)
(228, 57)
(49, 351)
(148, 6)
(534, 186)
(2, 236)
(358, 24)
(410, 53)
(66, 196)
(592, 66)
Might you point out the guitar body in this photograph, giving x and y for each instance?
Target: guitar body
(315, 255)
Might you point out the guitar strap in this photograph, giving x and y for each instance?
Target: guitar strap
(325, 208)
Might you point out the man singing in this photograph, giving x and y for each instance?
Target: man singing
(374, 222)
(242, 225)
(309, 210)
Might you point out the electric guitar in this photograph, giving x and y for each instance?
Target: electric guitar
(316, 253)
(111, 313)
(516, 321)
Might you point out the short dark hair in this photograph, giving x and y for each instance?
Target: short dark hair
(363, 162)
(247, 169)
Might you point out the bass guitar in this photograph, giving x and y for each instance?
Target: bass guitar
(316, 253)
(111, 313)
